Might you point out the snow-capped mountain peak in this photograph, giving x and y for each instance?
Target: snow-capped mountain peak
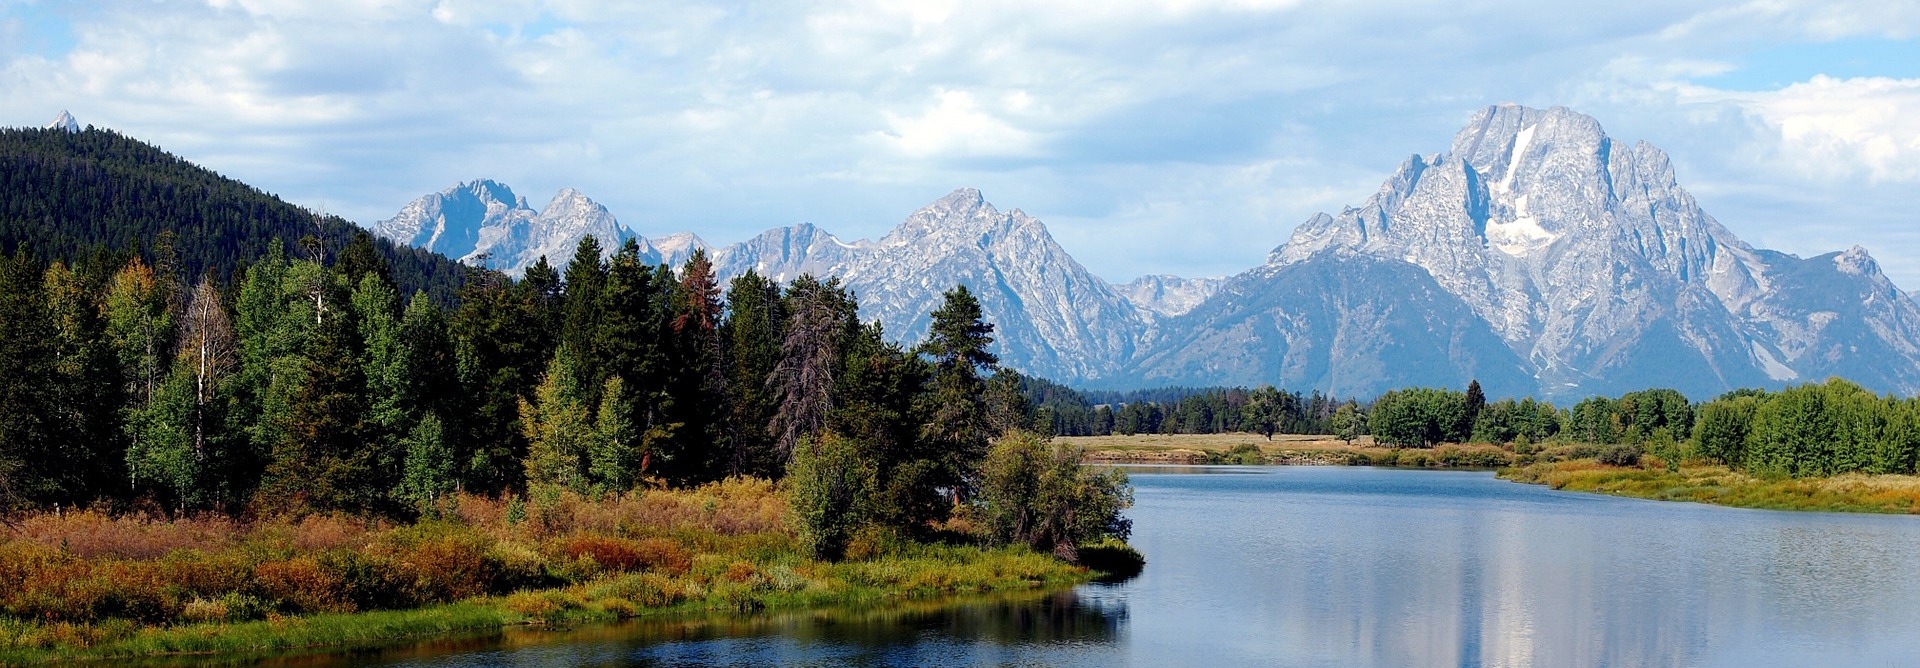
(64, 121)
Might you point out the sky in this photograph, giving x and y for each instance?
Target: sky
(1184, 137)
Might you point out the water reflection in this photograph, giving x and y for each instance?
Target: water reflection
(988, 631)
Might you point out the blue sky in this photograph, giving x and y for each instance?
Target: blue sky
(1185, 137)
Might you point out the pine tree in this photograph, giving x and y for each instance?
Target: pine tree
(628, 343)
(87, 385)
(580, 306)
(753, 332)
(697, 377)
(30, 437)
(957, 423)
(1476, 402)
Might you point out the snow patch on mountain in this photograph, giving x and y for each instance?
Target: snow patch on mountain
(64, 121)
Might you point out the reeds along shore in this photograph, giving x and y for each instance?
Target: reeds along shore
(86, 585)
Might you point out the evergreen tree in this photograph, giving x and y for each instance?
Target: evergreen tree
(580, 307)
(87, 386)
(957, 423)
(30, 437)
(697, 378)
(753, 332)
(323, 459)
(1008, 408)
(630, 343)
(1476, 402)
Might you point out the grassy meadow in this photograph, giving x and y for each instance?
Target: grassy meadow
(93, 587)
(1705, 483)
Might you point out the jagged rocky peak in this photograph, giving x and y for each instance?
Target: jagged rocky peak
(962, 214)
(1857, 262)
(484, 222)
(675, 249)
(64, 121)
(1166, 295)
(1594, 265)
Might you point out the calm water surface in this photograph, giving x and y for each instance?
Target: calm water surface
(1307, 566)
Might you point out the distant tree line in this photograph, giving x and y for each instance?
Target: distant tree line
(311, 383)
(1176, 410)
(1819, 429)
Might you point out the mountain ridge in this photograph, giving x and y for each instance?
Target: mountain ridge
(1584, 258)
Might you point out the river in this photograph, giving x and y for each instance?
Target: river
(1334, 566)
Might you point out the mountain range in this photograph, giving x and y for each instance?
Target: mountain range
(1535, 254)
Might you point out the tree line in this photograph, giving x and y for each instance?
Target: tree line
(1177, 410)
(310, 384)
(1814, 429)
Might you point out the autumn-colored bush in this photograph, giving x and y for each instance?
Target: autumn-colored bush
(302, 584)
(618, 555)
(435, 563)
(93, 534)
(95, 570)
(736, 506)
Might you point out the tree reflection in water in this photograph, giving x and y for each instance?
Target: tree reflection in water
(953, 632)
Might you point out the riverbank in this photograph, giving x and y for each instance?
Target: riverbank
(95, 588)
(1282, 449)
(1855, 493)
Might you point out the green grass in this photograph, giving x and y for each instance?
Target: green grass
(1721, 486)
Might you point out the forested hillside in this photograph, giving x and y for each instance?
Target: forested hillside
(72, 195)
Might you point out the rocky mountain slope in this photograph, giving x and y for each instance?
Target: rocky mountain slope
(1595, 268)
(1052, 316)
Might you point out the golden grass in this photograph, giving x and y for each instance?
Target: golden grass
(1722, 486)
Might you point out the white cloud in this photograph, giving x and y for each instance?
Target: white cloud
(1837, 128)
(955, 125)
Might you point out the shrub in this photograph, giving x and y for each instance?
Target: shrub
(302, 584)
(832, 484)
(611, 554)
(1620, 455)
(1034, 493)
